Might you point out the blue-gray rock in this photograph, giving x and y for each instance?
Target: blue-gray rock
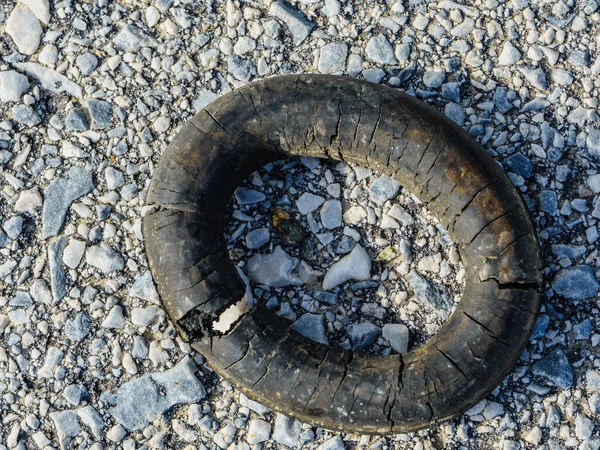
(548, 201)
(58, 280)
(363, 335)
(429, 294)
(77, 328)
(579, 58)
(100, 113)
(373, 75)
(143, 288)
(501, 100)
(86, 63)
(76, 120)
(248, 196)
(257, 238)
(345, 245)
(332, 58)
(380, 51)
(298, 25)
(536, 77)
(104, 257)
(455, 112)
(13, 227)
(131, 39)
(67, 426)
(576, 282)
(311, 326)
(59, 195)
(451, 91)
(90, 418)
(519, 164)
(335, 443)
(397, 335)
(26, 115)
(593, 143)
(241, 69)
(583, 330)
(433, 78)
(568, 251)
(286, 430)
(382, 189)
(331, 214)
(540, 327)
(326, 297)
(145, 399)
(555, 368)
(75, 393)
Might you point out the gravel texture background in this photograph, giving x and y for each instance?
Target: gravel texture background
(92, 92)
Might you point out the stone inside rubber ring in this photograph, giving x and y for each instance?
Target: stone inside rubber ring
(340, 118)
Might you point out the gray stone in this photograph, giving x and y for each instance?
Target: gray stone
(20, 299)
(40, 292)
(510, 55)
(548, 201)
(298, 25)
(380, 51)
(276, 269)
(59, 195)
(131, 39)
(433, 78)
(308, 203)
(91, 419)
(354, 266)
(331, 214)
(583, 330)
(13, 227)
(258, 431)
(363, 335)
(540, 327)
(257, 238)
(241, 69)
(67, 426)
(115, 318)
(555, 368)
(592, 378)
(451, 91)
(429, 294)
(50, 79)
(593, 143)
(399, 213)
(76, 120)
(536, 77)
(26, 115)
(100, 113)
(75, 393)
(311, 326)
(12, 86)
(104, 257)
(87, 63)
(114, 178)
(519, 164)
(144, 317)
(332, 58)
(335, 443)
(455, 112)
(73, 253)
(77, 328)
(58, 280)
(24, 28)
(500, 99)
(248, 196)
(254, 406)
(287, 430)
(584, 427)
(397, 335)
(562, 77)
(143, 288)
(576, 282)
(382, 189)
(160, 391)
(204, 98)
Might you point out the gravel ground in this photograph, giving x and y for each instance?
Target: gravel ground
(91, 94)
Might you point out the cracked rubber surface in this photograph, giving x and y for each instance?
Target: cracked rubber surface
(378, 127)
